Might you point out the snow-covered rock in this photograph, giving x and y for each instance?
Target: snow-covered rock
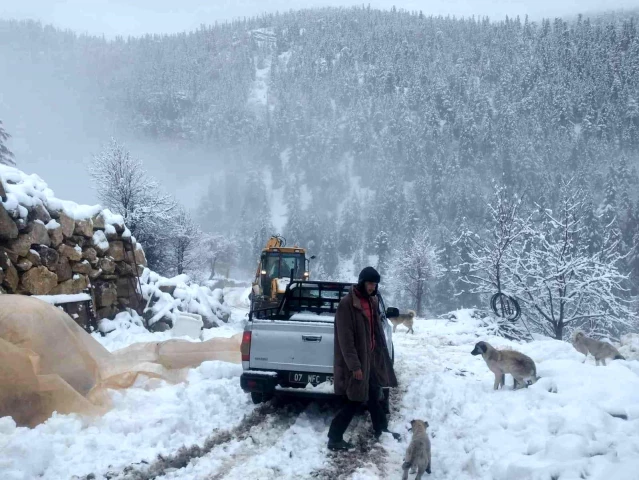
(169, 296)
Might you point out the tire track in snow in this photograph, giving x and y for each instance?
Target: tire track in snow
(183, 457)
(367, 452)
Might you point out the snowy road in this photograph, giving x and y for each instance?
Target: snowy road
(570, 425)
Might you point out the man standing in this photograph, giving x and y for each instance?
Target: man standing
(362, 363)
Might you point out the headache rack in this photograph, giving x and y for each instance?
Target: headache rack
(305, 296)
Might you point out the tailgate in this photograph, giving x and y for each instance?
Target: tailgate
(292, 345)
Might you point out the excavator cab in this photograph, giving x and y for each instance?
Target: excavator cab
(274, 271)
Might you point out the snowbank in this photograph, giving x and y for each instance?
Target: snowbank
(577, 421)
(168, 296)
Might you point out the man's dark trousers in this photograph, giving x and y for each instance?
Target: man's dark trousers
(343, 418)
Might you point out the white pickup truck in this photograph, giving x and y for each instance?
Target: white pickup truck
(289, 348)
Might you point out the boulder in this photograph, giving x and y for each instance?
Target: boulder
(129, 257)
(140, 257)
(94, 274)
(116, 250)
(8, 228)
(107, 265)
(89, 254)
(124, 302)
(110, 278)
(39, 281)
(11, 279)
(107, 312)
(39, 234)
(9, 273)
(63, 269)
(84, 228)
(123, 269)
(106, 295)
(76, 240)
(21, 245)
(160, 326)
(39, 212)
(72, 286)
(111, 233)
(100, 243)
(72, 253)
(170, 289)
(98, 222)
(82, 267)
(67, 224)
(1, 278)
(3, 194)
(55, 233)
(48, 256)
(9, 254)
(23, 264)
(34, 257)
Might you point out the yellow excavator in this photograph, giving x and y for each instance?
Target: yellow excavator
(277, 264)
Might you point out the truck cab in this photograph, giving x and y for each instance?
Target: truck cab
(289, 347)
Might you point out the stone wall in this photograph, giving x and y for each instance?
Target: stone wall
(46, 250)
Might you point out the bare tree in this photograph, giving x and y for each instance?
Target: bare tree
(413, 267)
(563, 285)
(487, 269)
(217, 249)
(6, 156)
(184, 243)
(126, 188)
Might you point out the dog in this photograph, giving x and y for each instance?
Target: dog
(418, 451)
(405, 319)
(598, 349)
(501, 362)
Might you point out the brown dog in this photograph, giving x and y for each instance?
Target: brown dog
(501, 362)
(598, 349)
(405, 319)
(418, 452)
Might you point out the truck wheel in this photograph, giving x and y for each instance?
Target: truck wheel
(259, 397)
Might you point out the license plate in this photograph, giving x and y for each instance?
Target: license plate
(312, 378)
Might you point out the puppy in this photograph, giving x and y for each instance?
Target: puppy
(418, 451)
(598, 349)
(405, 319)
(501, 362)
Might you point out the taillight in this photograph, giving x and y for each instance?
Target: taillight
(245, 347)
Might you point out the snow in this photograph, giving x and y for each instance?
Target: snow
(570, 424)
(100, 240)
(187, 297)
(26, 191)
(52, 225)
(60, 299)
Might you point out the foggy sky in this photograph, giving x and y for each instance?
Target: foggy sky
(135, 17)
(56, 128)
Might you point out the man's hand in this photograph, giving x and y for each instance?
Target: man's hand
(358, 375)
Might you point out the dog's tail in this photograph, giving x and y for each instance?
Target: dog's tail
(412, 313)
(619, 357)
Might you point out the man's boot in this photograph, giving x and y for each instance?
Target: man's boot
(336, 445)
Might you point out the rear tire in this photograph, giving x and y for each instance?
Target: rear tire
(259, 397)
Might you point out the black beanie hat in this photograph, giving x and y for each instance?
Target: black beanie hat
(369, 274)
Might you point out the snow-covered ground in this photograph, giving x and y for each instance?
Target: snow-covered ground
(578, 421)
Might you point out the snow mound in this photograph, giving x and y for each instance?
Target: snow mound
(630, 346)
(169, 296)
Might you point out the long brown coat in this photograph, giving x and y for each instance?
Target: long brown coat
(353, 350)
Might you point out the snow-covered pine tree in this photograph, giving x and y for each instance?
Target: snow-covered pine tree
(6, 156)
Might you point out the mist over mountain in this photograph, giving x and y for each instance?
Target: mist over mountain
(333, 125)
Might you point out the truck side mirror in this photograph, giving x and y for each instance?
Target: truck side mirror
(392, 312)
